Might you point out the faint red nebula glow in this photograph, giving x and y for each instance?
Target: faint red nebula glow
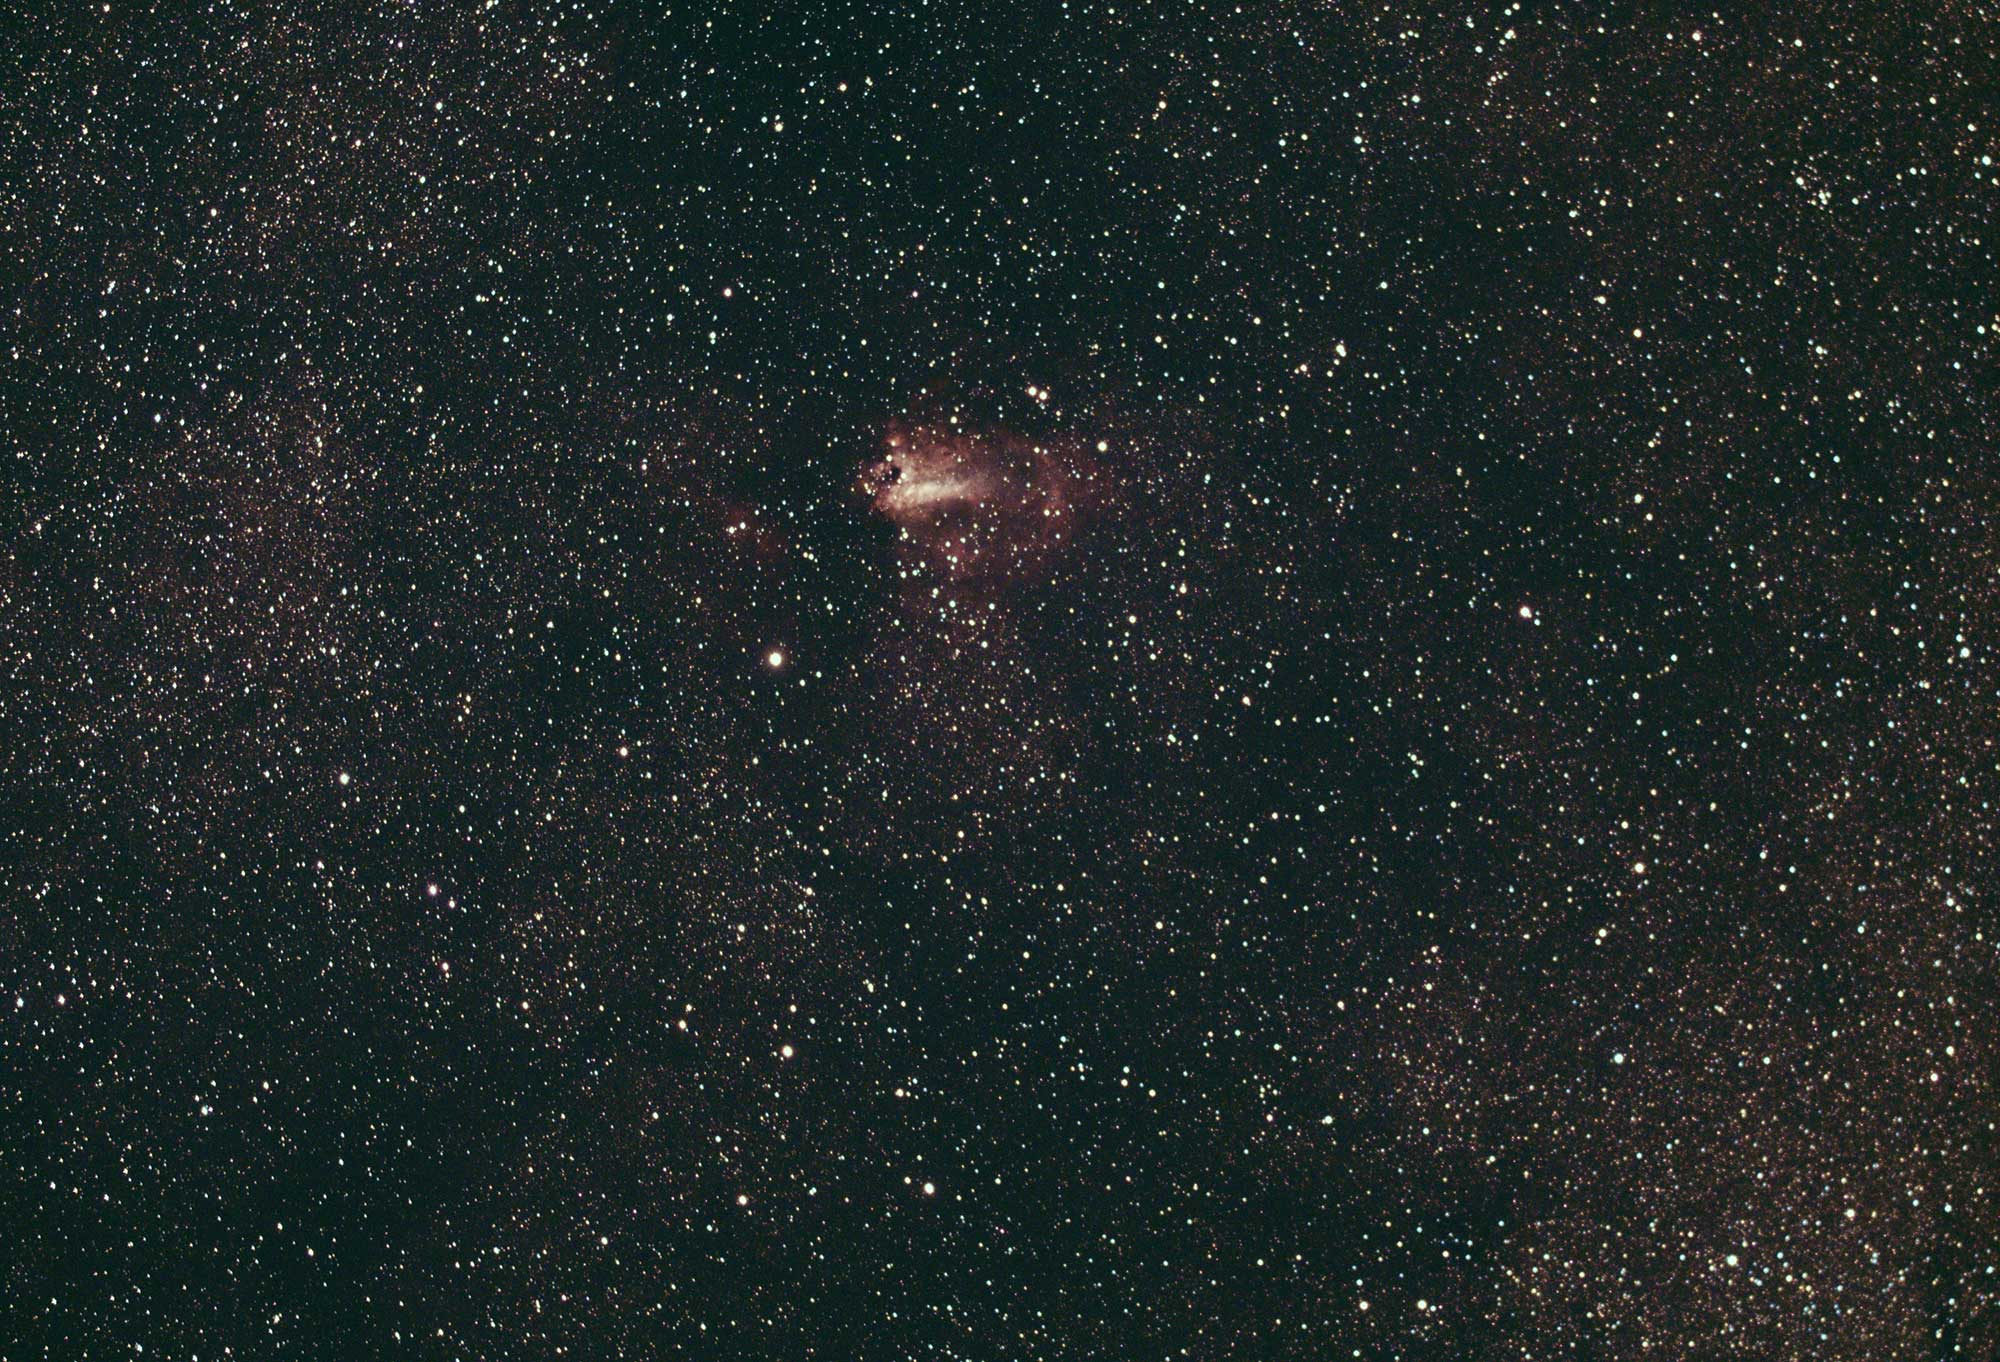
(981, 502)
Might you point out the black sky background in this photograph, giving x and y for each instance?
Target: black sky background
(1484, 811)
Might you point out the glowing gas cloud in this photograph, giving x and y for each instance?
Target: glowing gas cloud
(980, 502)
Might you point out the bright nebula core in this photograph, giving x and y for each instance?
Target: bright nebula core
(984, 502)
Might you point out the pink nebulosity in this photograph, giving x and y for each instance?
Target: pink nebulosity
(979, 503)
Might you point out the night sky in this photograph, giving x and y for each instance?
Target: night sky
(953, 681)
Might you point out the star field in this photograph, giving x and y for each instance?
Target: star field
(931, 681)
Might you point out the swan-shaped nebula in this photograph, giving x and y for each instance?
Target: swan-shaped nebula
(980, 503)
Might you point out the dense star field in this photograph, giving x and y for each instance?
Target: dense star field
(891, 680)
